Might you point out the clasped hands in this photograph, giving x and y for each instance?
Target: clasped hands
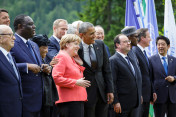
(36, 69)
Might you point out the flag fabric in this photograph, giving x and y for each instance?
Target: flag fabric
(142, 14)
(170, 27)
(130, 16)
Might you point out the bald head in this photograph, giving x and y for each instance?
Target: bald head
(6, 37)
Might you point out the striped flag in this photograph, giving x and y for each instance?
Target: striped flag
(170, 27)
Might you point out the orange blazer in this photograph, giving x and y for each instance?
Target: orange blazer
(65, 73)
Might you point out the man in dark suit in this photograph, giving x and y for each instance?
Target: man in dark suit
(130, 32)
(125, 75)
(60, 27)
(10, 80)
(147, 89)
(27, 56)
(163, 69)
(95, 60)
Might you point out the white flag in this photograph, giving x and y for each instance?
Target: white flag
(170, 27)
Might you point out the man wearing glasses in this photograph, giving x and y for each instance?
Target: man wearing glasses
(10, 80)
(125, 75)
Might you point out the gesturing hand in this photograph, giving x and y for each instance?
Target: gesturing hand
(83, 83)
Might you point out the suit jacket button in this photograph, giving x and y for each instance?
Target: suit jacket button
(167, 86)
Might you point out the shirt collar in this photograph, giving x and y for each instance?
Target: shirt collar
(162, 56)
(142, 49)
(86, 45)
(58, 40)
(123, 55)
(24, 40)
(4, 51)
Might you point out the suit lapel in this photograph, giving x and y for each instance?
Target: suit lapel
(56, 43)
(160, 64)
(170, 64)
(97, 51)
(23, 46)
(125, 62)
(143, 56)
(8, 65)
(36, 53)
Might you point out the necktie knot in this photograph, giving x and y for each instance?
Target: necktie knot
(164, 58)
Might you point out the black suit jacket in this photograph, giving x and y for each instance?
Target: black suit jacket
(101, 79)
(147, 88)
(53, 49)
(126, 85)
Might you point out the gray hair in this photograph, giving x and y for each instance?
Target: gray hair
(76, 23)
(3, 28)
(84, 26)
(71, 29)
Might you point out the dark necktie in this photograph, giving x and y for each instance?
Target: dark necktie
(164, 64)
(130, 65)
(146, 57)
(12, 63)
(31, 50)
(93, 59)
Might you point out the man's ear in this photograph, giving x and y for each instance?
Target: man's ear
(20, 26)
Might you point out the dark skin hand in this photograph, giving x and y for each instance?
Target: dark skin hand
(34, 68)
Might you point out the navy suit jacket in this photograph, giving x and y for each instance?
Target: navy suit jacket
(100, 78)
(107, 50)
(53, 49)
(31, 83)
(126, 85)
(10, 90)
(147, 89)
(163, 88)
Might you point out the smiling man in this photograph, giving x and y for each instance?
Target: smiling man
(163, 70)
(95, 60)
(4, 17)
(27, 56)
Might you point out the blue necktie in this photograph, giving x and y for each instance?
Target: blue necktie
(31, 50)
(130, 65)
(12, 63)
(146, 57)
(164, 64)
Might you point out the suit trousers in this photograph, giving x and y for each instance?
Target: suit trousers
(98, 109)
(126, 113)
(168, 108)
(145, 109)
(71, 109)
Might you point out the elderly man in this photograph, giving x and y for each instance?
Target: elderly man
(27, 56)
(10, 80)
(60, 27)
(4, 17)
(95, 60)
(100, 35)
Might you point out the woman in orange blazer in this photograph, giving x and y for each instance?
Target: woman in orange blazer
(68, 77)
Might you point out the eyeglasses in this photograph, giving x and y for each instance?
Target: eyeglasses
(11, 35)
(127, 41)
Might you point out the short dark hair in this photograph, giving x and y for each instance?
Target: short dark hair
(41, 40)
(3, 10)
(141, 33)
(163, 38)
(117, 40)
(19, 19)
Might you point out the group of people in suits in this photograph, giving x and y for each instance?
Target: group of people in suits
(72, 75)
